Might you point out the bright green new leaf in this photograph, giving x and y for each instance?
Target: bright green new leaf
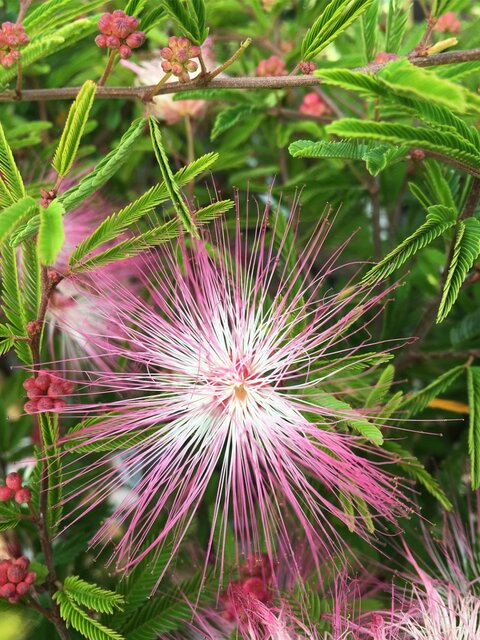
(335, 18)
(74, 128)
(177, 199)
(15, 214)
(51, 234)
(11, 183)
(91, 596)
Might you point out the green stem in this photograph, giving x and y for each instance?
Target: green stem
(151, 94)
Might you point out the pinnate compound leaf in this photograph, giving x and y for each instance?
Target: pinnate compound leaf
(11, 183)
(335, 18)
(466, 251)
(80, 620)
(74, 128)
(91, 596)
(439, 219)
(419, 401)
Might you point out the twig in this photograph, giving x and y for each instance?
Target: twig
(243, 46)
(108, 68)
(24, 5)
(18, 87)
(151, 94)
(246, 82)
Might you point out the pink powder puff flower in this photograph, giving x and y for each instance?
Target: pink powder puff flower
(448, 23)
(224, 367)
(272, 66)
(164, 107)
(314, 105)
(440, 597)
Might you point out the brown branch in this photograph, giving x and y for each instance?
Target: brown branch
(247, 82)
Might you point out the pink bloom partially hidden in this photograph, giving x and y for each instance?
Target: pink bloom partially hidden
(272, 66)
(225, 365)
(448, 23)
(314, 105)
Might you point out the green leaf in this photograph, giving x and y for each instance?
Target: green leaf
(379, 157)
(75, 617)
(370, 30)
(31, 287)
(74, 128)
(466, 251)
(50, 435)
(178, 201)
(15, 214)
(228, 118)
(91, 596)
(439, 219)
(473, 384)
(351, 417)
(443, 142)
(9, 516)
(406, 79)
(133, 246)
(380, 390)
(466, 330)
(51, 235)
(397, 21)
(12, 301)
(410, 465)
(190, 18)
(11, 183)
(350, 150)
(419, 401)
(105, 169)
(117, 223)
(366, 84)
(335, 18)
(53, 13)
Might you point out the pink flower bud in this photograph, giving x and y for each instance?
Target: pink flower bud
(184, 77)
(7, 591)
(22, 562)
(43, 380)
(55, 389)
(34, 393)
(307, 67)
(191, 66)
(195, 51)
(23, 588)
(30, 577)
(23, 496)
(13, 481)
(105, 24)
(125, 52)
(15, 574)
(45, 404)
(166, 66)
(113, 42)
(101, 41)
(121, 26)
(5, 494)
(135, 39)
(31, 407)
(59, 405)
(166, 53)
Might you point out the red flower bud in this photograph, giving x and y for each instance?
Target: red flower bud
(31, 407)
(15, 574)
(13, 481)
(113, 42)
(5, 494)
(23, 496)
(101, 41)
(22, 562)
(125, 52)
(23, 588)
(7, 591)
(45, 404)
(135, 39)
(105, 24)
(43, 381)
(30, 577)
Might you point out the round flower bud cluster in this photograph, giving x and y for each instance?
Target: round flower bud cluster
(314, 105)
(272, 66)
(307, 67)
(13, 489)
(254, 582)
(12, 37)
(448, 23)
(15, 578)
(119, 31)
(45, 392)
(177, 58)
